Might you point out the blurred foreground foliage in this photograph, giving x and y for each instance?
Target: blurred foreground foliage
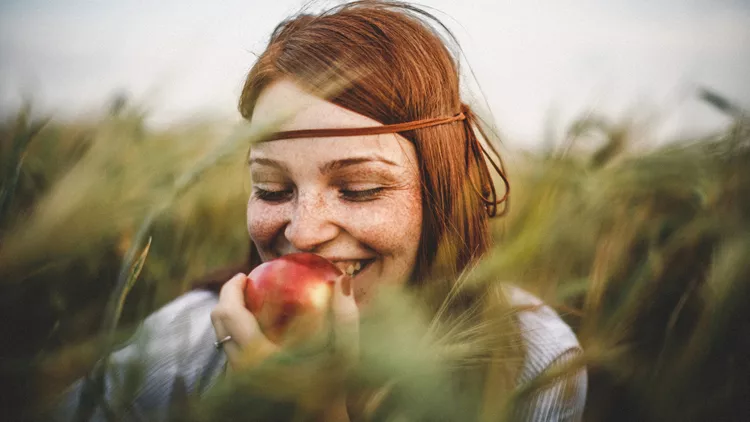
(644, 251)
(82, 191)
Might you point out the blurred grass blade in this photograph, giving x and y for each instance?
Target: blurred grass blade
(22, 139)
(92, 392)
(135, 271)
(720, 102)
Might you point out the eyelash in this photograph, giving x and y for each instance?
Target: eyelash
(349, 195)
(272, 195)
(362, 195)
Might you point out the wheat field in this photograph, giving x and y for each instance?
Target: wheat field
(645, 251)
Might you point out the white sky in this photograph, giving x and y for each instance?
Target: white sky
(529, 57)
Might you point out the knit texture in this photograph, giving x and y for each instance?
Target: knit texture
(177, 342)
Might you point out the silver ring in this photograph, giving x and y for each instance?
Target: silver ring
(220, 344)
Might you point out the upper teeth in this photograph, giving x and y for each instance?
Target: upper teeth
(353, 268)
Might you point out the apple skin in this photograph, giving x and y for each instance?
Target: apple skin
(294, 288)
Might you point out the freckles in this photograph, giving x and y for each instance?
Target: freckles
(395, 226)
(412, 215)
(264, 222)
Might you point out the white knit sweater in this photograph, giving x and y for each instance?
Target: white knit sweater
(178, 341)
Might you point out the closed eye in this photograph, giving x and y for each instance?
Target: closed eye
(361, 195)
(273, 195)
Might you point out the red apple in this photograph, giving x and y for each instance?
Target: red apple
(294, 288)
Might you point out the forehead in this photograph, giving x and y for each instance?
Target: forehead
(290, 108)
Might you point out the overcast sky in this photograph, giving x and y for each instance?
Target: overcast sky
(529, 57)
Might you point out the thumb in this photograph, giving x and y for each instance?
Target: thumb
(345, 316)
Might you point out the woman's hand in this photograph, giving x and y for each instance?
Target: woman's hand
(230, 317)
(249, 346)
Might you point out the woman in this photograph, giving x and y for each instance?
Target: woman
(378, 170)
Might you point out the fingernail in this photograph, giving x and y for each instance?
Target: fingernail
(346, 286)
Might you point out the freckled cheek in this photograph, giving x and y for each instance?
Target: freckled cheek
(393, 227)
(264, 222)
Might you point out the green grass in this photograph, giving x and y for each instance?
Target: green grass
(644, 251)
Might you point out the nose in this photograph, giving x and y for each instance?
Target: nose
(311, 224)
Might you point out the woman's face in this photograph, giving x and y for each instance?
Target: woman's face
(355, 200)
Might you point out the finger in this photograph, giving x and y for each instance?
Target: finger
(344, 306)
(230, 316)
(232, 294)
(231, 348)
(252, 349)
(237, 322)
(345, 316)
(248, 345)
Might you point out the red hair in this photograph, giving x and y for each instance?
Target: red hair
(395, 68)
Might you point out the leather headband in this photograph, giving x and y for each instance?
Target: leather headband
(358, 131)
(473, 149)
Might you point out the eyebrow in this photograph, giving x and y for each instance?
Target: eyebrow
(268, 162)
(346, 162)
(329, 166)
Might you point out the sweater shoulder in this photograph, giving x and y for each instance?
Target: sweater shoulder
(174, 350)
(176, 341)
(547, 337)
